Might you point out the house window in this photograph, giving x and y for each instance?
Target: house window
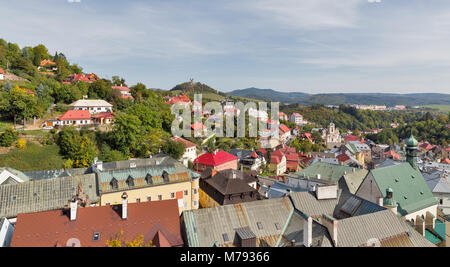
(186, 192)
(114, 183)
(172, 195)
(195, 203)
(96, 236)
(138, 200)
(277, 225)
(149, 199)
(225, 237)
(195, 191)
(441, 201)
(259, 225)
(130, 181)
(107, 204)
(159, 197)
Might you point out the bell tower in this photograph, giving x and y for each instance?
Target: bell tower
(411, 151)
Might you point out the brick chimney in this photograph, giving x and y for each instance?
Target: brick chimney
(124, 206)
(73, 209)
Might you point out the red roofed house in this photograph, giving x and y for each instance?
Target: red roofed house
(277, 163)
(81, 78)
(190, 153)
(2, 74)
(308, 136)
(285, 132)
(218, 160)
(75, 118)
(103, 118)
(48, 64)
(446, 161)
(183, 99)
(391, 154)
(292, 159)
(343, 159)
(283, 116)
(156, 221)
(424, 146)
(349, 138)
(124, 92)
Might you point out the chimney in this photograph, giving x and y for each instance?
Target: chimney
(73, 209)
(318, 176)
(234, 174)
(380, 201)
(307, 231)
(213, 173)
(288, 192)
(420, 225)
(124, 206)
(99, 165)
(332, 225)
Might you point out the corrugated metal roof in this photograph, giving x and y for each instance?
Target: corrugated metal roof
(245, 232)
(383, 226)
(328, 172)
(355, 179)
(205, 227)
(44, 195)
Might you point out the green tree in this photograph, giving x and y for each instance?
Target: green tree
(173, 149)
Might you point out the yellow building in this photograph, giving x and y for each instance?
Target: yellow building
(148, 180)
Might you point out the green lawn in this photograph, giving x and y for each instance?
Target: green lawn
(5, 125)
(442, 108)
(33, 158)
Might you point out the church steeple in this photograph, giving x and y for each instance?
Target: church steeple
(411, 151)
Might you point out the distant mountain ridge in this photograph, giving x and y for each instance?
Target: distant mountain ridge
(416, 99)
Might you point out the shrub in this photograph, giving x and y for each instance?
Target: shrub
(8, 137)
(21, 143)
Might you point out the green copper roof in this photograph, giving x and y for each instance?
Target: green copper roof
(328, 172)
(410, 189)
(412, 142)
(352, 148)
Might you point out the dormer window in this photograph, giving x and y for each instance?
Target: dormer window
(149, 179)
(130, 181)
(114, 183)
(165, 177)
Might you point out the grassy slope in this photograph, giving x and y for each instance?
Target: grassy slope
(33, 158)
(442, 108)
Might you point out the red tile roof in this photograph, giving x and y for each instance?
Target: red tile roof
(349, 138)
(156, 220)
(392, 154)
(198, 126)
(104, 115)
(343, 157)
(446, 161)
(2, 71)
(178, 99)
(284, 129)
(75, 115)
(184, 141)
(47, 62)
(212, 159)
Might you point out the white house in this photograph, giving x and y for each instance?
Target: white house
(124, 91)
(74, 118)
(2, 74)
(94, 106)
(190, 153)
(297, 119)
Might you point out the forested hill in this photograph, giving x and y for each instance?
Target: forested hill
(345, 98)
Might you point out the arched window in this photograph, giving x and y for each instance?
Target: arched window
(165, 177)
(149, 179)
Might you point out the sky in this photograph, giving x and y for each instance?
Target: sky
(311, 46)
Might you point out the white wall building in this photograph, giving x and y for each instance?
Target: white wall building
(94, 106)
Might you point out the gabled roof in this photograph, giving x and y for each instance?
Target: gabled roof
(104, 115)
(343, 157)
(91, 103)
(351, 138)
(410, 189)
(47, 62)
(153, 220)
(328, 171)
(208, 227)
(216, 159)
(43, 195)
(75, 115)
(184, 141)
(383, 226)
(5, 173)
(352, 148)
(437, 182)
(284, 129)
(392, 153)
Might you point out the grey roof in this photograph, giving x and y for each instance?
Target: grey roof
(176, 171)
(206, 227)
(437, 181)
(91, 103)
(384, 226)
(292, 235)
(278, 189)
(344, 206)
(125, 164)
(328, 172)
(355, 179)
(245, 233)
(48, 174)
(44, 195)
(388, 163)
(15, 172)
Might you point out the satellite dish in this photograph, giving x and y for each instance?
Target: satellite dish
(73, 242)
